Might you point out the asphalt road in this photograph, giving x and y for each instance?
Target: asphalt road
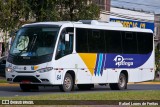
(7, 91)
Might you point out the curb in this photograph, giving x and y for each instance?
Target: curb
(8, 85)
(144, 83)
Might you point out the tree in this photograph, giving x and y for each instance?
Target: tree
(11, 12)
(157, 60)
(89, 12)
(43, 10)
(53, 10)
(15, 13)
(78, 10)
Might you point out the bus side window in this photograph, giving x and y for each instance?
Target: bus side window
(114, 41)
(65, 47)
(145, 42)
(129, 43)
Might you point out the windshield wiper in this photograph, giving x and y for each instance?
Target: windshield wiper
(33, 43)
(21, 51)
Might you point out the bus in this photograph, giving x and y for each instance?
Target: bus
(82, 54)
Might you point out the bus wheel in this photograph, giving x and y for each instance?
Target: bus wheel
(85, 86)
(68, 84)
(28, 87)
(122, 83)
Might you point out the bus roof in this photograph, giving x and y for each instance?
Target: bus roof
(92, 24)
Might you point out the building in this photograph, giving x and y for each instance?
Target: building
(103, 4)
(132, 18)
(105, 8)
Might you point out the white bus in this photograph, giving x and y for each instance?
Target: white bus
(81, 53)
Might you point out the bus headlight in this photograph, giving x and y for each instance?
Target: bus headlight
(9, 69)
(44, 69)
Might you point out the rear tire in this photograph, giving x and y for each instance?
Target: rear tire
(122, 83)
(68, 84)
(28, 87)
(85, 86)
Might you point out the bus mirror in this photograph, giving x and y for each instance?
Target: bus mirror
(67, 37)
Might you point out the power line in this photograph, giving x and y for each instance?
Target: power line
(137, 10)
(137, 3)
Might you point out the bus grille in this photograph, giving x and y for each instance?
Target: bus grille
(26, 78)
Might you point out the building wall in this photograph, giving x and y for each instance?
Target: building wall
(103, 4)
(131, 18)
(105, 9)
(131, 14)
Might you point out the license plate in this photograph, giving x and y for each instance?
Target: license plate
(26, 82)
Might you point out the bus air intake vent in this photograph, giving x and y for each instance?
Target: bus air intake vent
(26, 78)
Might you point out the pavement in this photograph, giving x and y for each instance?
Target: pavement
(13, 84)
(2, 78)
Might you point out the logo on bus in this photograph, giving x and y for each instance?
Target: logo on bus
(121, 61)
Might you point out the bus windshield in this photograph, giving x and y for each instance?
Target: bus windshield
(34, 41)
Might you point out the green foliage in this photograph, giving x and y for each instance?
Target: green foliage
(14, 13)
(108, 95)
(43, 10)
(11, 12)
(157, 59)
(89, 12)
(78, 10)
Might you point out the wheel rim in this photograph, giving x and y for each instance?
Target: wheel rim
(67, 82)
(122, 81)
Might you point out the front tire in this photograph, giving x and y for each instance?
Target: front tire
(68, 84)
(122, 83)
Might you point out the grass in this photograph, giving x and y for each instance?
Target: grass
(3, 81)
(116, 95)
(155, 81)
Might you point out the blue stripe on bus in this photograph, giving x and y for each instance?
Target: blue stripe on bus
(95, 71)
(103, 64)
(100, 64)
(99, 60)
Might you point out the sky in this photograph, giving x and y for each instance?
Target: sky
(146, 5)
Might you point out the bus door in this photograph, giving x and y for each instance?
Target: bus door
(63, 54)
